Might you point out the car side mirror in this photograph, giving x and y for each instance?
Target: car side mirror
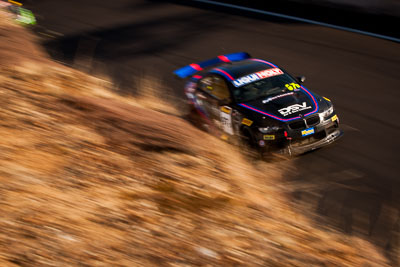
(301, 79)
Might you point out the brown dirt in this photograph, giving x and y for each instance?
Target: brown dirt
(88, 177)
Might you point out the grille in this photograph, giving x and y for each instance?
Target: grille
(297, 125)
(300, 124)
(311, 121)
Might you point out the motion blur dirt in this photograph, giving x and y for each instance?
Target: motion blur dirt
(89, 177)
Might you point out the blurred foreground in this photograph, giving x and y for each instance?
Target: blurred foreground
(89, 177)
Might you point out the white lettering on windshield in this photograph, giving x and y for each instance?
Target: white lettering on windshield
(276, 97)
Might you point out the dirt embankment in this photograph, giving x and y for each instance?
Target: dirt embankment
(88, 177)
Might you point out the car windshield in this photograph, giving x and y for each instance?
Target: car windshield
(265, 88)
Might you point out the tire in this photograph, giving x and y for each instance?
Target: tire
(248, 145)
(193, 118)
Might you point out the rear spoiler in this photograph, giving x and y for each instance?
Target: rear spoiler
(195, 67)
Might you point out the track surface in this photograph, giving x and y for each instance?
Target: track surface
(354, 184)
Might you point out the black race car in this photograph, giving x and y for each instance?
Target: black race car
(246, 100)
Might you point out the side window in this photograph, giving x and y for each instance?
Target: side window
(221, 90)
(206, 84)
(215, 86)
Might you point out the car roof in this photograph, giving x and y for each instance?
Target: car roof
(235, 70)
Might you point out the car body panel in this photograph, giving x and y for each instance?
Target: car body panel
(277, 112)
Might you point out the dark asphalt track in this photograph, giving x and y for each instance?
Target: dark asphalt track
(354, 184)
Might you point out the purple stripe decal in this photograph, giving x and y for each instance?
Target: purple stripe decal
(224, 73)
(313, 99)
(265, 113)
(280, 119)
(265, 62)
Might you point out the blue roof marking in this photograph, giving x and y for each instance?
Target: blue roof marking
(185, 71)
(190, 70)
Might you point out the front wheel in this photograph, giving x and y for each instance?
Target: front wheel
(249, 146)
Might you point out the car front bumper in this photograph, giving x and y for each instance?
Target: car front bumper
(293, 150)
(296, 142)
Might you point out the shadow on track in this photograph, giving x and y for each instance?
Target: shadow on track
(114, 51)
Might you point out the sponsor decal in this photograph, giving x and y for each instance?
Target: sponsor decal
(226, 122)
(269, 137)
(334, 117)
(293, 109)
(226, 109)
(247, 122)
(257, 76)
(276, 97)
(307, 131)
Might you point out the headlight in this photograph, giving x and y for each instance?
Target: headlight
(327, 113)
(269, 129)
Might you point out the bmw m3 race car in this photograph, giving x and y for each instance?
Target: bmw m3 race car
(252, 101)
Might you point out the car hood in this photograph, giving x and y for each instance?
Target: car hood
(285, 106)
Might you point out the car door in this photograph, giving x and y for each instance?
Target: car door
(216, 102)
